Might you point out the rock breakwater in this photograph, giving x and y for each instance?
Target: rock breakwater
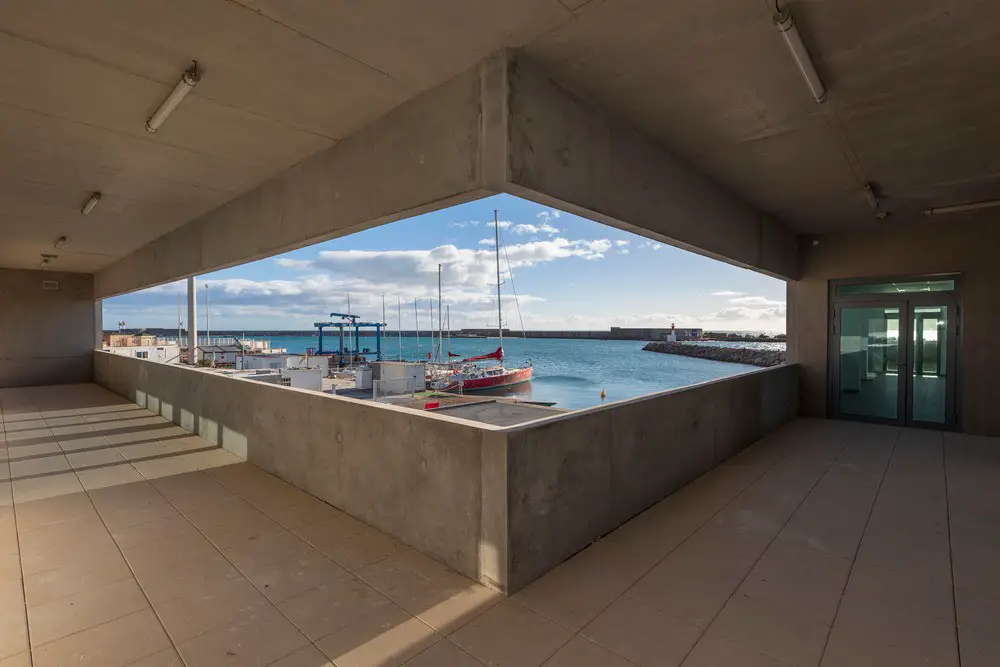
(736, 355)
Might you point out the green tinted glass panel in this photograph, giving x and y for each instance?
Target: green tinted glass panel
(898, 288)
(929, 366)
(869, 362)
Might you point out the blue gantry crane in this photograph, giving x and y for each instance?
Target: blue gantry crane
(350, 321)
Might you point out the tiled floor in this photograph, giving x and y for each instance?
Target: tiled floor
(125, 540)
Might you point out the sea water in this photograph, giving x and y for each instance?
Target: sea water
(571, 373)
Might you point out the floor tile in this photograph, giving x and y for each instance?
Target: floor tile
(385, 638)
(39, 488)
(68, 615)
(331, 606)
(307, 656)
(23, 469)
(259, 637)
(77, 576)
(643, 634)
(204, 608)
(489, 637)
(163, 467)
(447, 653)
(437, 595)
(581, 652)
(282, 566)
(715, 652)
(105, 476)
(114, 644)
(94, 457)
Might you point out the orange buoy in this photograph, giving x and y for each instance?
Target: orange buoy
(603, 395)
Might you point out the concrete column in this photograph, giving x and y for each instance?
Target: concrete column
(192, 320)
(98, 324)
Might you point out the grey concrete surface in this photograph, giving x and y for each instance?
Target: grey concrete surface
(956, 243)
(572, 479)
(414, 476)
(46, 336)
(502, 126)
(501, 505)
(567, 152)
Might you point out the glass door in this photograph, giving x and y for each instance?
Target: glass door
(894, 351)
(869, 379)
(931, 361)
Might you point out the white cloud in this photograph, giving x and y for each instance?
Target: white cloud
(621, 243)
(489, 242)
(741, 313)
(464, 223)
(727, 292)
(548, 216)
(624, 252)
(756, 301)
(544, 228)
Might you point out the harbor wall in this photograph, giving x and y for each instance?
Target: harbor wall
(735, 355)
(47, 336)
(573, 478)
(420, 478)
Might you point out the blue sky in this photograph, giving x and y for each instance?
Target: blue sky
(569, 272)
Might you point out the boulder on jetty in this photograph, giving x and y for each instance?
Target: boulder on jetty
(736, 355)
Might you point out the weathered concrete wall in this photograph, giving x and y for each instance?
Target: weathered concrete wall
(46, 336)
(574, 478)
(501, 127)
(422, 156)
(568, 153)
(936, 246)
(417, 477)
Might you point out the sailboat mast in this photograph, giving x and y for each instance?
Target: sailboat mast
(496, 224)
(439, 350)
(416, 325)
(399, 330)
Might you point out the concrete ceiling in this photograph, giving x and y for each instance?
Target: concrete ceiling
(912, 103)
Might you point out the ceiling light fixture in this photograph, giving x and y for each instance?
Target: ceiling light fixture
(59, 242)
(871, 194)
(957, 208)
(46, 258)
(190, 78)
(91, 203)
(793, 40)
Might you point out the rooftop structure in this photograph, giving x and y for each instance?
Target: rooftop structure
(846, 147)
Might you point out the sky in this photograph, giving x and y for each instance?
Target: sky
(569, 273)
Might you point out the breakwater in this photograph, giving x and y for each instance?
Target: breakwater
(736, 355)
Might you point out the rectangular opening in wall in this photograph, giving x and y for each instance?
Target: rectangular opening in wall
(898, 287)
(51, 285)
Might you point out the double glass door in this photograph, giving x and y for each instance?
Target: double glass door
(894, 357)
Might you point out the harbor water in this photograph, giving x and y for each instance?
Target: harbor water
(571, 373)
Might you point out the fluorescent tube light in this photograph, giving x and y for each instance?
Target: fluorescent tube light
(190, 78)
(91, 203)
(971, 206)
(793, 40)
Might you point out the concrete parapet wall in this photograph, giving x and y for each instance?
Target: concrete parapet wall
(501, 505)
(416, 477)
(573, 478)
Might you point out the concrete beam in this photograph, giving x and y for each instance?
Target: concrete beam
(422, 156)
(567, 153)
(503, 126)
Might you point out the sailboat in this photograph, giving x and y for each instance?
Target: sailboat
(468, 375)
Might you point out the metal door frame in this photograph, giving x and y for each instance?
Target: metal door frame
(906, 302)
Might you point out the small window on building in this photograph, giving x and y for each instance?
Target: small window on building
(898, 288)
(142, 355)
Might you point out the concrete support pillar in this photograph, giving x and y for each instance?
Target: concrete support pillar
(98, 324)
(192, 320)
